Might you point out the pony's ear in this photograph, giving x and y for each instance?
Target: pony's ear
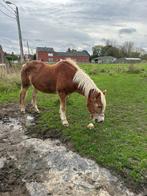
(104, 92)
(98, 95)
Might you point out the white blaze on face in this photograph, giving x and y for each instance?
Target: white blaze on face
(103, 100)
(100, 117)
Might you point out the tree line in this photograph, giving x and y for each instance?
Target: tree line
(127, 49)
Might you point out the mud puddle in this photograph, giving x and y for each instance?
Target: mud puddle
(36, 167)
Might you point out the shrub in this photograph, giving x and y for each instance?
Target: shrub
(134, 69)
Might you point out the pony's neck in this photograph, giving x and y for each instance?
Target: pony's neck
(84, 82)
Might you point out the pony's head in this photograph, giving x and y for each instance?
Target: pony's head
(96, 104)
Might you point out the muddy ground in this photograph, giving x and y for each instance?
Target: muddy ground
(41, 167)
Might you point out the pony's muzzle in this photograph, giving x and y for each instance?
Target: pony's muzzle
(99, 121)
(100, 118)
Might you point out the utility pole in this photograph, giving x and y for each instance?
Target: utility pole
(20, 36)
(16, 12)
(28, 56)
(28, 48)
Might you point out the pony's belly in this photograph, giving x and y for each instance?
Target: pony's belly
(46, 87)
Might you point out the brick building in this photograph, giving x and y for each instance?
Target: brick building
(49, 55)
(1, 55)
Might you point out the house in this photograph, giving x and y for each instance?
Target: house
(1, 55)
(104, 60)
(128, 60)
(49, 55)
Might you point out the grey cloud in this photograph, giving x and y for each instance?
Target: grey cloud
(127, 30)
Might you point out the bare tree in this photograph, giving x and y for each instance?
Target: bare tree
(128, 48)
(111, 42)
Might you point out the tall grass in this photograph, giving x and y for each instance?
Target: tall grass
(9, 78)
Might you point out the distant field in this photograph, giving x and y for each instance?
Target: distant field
(120, 143)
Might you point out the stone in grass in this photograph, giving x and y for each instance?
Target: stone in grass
(90, 126)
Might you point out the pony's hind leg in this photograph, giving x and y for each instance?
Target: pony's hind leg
(25, 83)
(34, 102)
(62, 110)
(22, 98)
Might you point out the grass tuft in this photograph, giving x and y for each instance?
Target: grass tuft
(134, 69)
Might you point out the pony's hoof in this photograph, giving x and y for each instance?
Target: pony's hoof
(37, 111)
(23, 111)
(65, 124)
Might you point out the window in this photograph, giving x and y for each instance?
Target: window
(50, 54)
(50, 59)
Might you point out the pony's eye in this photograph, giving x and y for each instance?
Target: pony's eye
(100, 106)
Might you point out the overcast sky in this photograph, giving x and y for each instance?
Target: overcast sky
(78, 24)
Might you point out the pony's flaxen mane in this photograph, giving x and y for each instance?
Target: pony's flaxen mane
(69, 61)
(85, 83)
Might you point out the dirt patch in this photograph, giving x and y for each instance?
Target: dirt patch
(43, 166)
(11, 183)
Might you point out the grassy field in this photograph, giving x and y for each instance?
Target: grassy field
(120, 143)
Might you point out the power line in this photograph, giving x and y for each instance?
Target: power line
(7, 8)
(7, 14)
(10, 7)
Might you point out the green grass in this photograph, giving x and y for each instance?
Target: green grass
(120, 143)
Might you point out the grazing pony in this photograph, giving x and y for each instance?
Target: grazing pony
(63, 78)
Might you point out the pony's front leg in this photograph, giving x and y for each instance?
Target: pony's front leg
(62, 110)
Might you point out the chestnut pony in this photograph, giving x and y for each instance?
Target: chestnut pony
(63, 78)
